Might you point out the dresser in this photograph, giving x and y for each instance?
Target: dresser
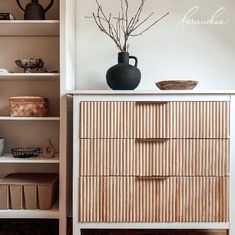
(153, 160)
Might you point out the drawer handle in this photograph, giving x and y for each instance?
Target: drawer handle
(153, 102)
(152, 177)
(159, 140)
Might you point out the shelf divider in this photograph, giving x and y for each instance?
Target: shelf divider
(29, 76)
(31, 214)
(8, 158)
(8, 118)
(29, 28)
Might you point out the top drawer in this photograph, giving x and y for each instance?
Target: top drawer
(154, 120)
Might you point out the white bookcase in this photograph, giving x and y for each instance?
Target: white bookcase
(37, 39)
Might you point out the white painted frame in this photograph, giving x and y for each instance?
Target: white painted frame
(150, 96)
(67, 77)
(232, 167)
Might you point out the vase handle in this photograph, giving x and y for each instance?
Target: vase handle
(19, 4)
(136, 60)
(49, 6)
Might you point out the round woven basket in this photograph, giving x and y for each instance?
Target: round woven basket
(28, 106)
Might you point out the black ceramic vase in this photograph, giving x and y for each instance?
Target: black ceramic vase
(124, 76)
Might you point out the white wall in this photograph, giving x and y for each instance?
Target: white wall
(201, 52)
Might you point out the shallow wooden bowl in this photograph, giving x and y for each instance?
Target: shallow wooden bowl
(177, 85)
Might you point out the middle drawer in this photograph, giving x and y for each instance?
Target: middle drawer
(163, 157)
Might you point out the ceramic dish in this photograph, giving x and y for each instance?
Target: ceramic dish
(177, 85)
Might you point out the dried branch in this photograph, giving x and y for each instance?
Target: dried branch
(138, 14)
(120, 28)
(141, 33)
(127, 8)
(142, 22)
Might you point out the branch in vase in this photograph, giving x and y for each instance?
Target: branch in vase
(120, 28)
(141, 33)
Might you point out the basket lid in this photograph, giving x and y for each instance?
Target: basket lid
(28, 99)
(29, 179)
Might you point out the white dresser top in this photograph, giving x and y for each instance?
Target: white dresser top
(157, 92)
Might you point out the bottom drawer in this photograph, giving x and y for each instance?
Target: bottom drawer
(153, 199)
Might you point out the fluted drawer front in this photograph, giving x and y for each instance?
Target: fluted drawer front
(107, 119)
(154, 120)
(133, 199)
(175, 157)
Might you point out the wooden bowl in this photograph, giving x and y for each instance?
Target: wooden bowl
(177, 85)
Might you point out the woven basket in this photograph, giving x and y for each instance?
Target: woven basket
(28, 106)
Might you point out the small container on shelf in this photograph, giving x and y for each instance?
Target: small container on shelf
(31, 65)
(48, 149)
(6, 16)
(25, 152)
(28, 191)
(2, 143)
(29, 106)
(4, 71)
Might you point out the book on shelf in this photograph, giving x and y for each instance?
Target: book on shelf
(6, 16)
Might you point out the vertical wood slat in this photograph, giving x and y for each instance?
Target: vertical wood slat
(166, 120)
(199, 119)
(177, 199)
(107, 119)
(153, 121)
(175, 157)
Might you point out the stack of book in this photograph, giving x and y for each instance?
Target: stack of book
(6, 16)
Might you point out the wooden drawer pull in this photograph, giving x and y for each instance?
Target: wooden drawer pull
(152, 102)
(153, 177)
(159, 140)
